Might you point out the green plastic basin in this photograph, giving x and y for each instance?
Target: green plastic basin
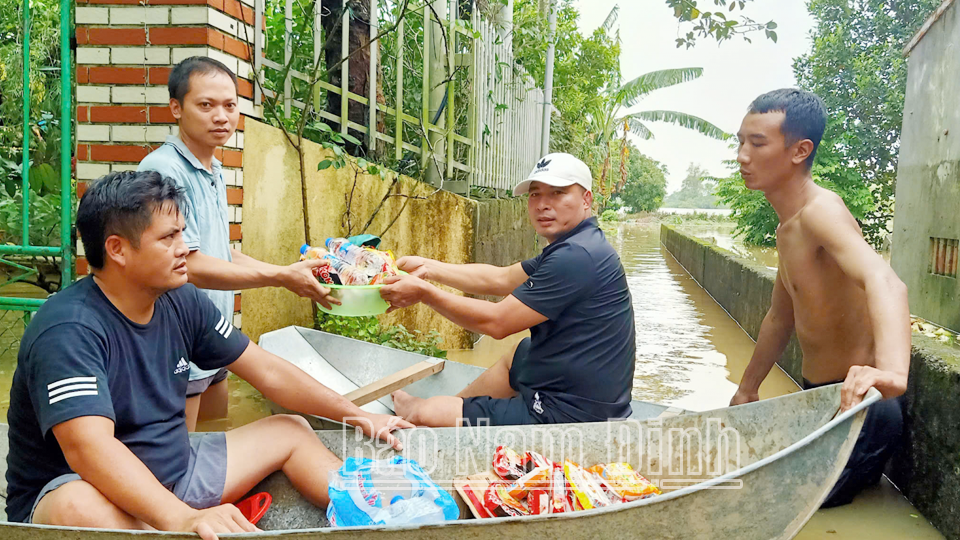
(356, 300)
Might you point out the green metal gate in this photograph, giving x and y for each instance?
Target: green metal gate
(15, 311)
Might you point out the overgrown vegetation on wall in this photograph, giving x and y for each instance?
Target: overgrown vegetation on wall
(369, 329)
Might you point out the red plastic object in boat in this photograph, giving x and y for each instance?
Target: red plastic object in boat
(254, 507)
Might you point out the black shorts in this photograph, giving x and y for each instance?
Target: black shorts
(485, 410)
(879, 436)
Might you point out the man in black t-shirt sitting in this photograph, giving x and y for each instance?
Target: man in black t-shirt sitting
(577, 365)
(97, 429)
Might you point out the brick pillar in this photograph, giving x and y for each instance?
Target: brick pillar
(125, 51)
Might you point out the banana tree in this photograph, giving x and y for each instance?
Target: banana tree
(609, 121)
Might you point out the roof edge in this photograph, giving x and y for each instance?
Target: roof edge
(926, 26)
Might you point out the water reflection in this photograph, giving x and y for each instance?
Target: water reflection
(690, 353)
(722, 235)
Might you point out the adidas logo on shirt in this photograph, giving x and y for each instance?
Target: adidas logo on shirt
(224, 328)
(71, 388)
(182, 366)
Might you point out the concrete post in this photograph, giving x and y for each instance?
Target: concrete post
(504, 20)
(548, 80)
(437, 49)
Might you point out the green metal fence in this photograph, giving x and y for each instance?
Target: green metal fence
(63, 253)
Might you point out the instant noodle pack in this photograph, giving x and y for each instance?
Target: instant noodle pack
(531, 484)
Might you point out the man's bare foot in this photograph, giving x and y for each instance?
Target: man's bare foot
(405, 405)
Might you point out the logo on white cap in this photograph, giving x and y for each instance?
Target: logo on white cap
(559, 170)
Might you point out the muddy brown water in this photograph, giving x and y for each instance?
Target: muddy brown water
(690, 353)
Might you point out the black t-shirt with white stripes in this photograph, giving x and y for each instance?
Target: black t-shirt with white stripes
(80, 356)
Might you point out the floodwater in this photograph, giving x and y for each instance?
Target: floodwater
(691, 211)
(722, 235)
(690, 353)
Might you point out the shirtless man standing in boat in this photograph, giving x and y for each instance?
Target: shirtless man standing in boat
(848, 307)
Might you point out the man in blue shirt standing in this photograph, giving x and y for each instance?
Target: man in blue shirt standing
(578, 363)
(203, 98)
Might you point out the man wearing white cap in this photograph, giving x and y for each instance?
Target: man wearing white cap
(577, 365)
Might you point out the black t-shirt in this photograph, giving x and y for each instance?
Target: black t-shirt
(581, 361)
(81, 357)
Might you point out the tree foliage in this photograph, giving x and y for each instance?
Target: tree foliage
(583, 67)
(756, 220)
(44, 65)
(695, 192)
(646, 183)
(590, 94)
(722, 25)
(370, 329)
(44, 121)
(857, 67)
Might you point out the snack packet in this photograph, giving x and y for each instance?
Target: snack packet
(327, 274)
(389, 267)
(558, 491)
(608, 490)
(587, 493)
(507, 463)
(498, 501)
(324, 273)
(596, 469)
(628, 483)
(539, 502)
(538, 478)
(532, 460)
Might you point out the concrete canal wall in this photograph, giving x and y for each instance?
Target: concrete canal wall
(926, 467)
(742, 288)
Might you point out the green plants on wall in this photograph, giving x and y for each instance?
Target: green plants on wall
(371, 330)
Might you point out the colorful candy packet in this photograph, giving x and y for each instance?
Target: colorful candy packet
(533, 485)
(538, 478)
(628, 483)
(560, 498)
(586, 492)
(499, 502)
(507, 463)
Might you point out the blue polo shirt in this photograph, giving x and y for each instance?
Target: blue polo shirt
(581, 360)
(208, 228)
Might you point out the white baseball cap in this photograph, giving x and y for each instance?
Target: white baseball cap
(558, 170)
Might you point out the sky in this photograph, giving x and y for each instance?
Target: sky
(735, 73)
